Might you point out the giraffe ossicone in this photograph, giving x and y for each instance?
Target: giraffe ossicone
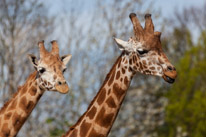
(142, 53)
(48, 75)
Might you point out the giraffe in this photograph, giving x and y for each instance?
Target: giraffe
(141, 53)
(48, 75)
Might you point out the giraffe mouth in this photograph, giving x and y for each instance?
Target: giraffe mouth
(169, 76)
(168, 79)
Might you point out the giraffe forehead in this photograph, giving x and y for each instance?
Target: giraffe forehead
(53, 62)
(149, 42)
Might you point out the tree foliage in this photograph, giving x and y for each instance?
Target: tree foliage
(186, 111)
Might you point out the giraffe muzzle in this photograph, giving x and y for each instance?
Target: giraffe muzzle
(170, 76)
(62, 88)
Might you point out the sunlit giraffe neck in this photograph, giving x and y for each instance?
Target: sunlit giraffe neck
(48, 76)
(142, 53)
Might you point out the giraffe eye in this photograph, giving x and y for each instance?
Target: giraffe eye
(42, 70)
(141, 52)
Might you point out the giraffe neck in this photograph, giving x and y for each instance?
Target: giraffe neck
(103, 110)
(16, 111)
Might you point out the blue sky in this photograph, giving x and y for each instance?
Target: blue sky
(169, 7)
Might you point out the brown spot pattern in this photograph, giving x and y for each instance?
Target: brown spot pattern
(103, 119)
(118, 75)
(134, 59)
(22, 103)
(74, 133)
(29, 107)
(126, 81)
(5, 130)
(152, 68)
(92, 112)
(118, 91)
(7, 116)
(130, 61)
(110, 102)
(101, 96)
(112, 78)
(123, 70)
(144, 62)
(16, 121)
(84, 128)
(33, 91)
(119, 62)
(141, 67)
(109, 91)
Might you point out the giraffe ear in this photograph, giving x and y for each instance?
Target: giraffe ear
(123, 45)
(33, 60)
(65, 59)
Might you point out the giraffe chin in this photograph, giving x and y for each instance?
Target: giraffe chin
(62, 88)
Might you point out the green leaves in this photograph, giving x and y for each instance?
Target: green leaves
(187, 97)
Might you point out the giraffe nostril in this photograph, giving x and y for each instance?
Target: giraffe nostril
(170, 68)
(59, 82)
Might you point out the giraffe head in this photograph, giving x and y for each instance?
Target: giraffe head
(145, 51)
(50, 68)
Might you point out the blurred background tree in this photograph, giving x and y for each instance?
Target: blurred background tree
(85, 30)
(186, 110)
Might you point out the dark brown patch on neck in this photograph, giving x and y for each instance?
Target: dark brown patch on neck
(7, 116)
(118, 91)
(84, 128)
(33, 91)
(110, 102)
(103, 119)
(123, 70)
(126, 81)
(111, 78)
(101, 96)
(118, 75)
(29, 107)
(5, 130)
(22, 103)
(92, 112)
(17, 121)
